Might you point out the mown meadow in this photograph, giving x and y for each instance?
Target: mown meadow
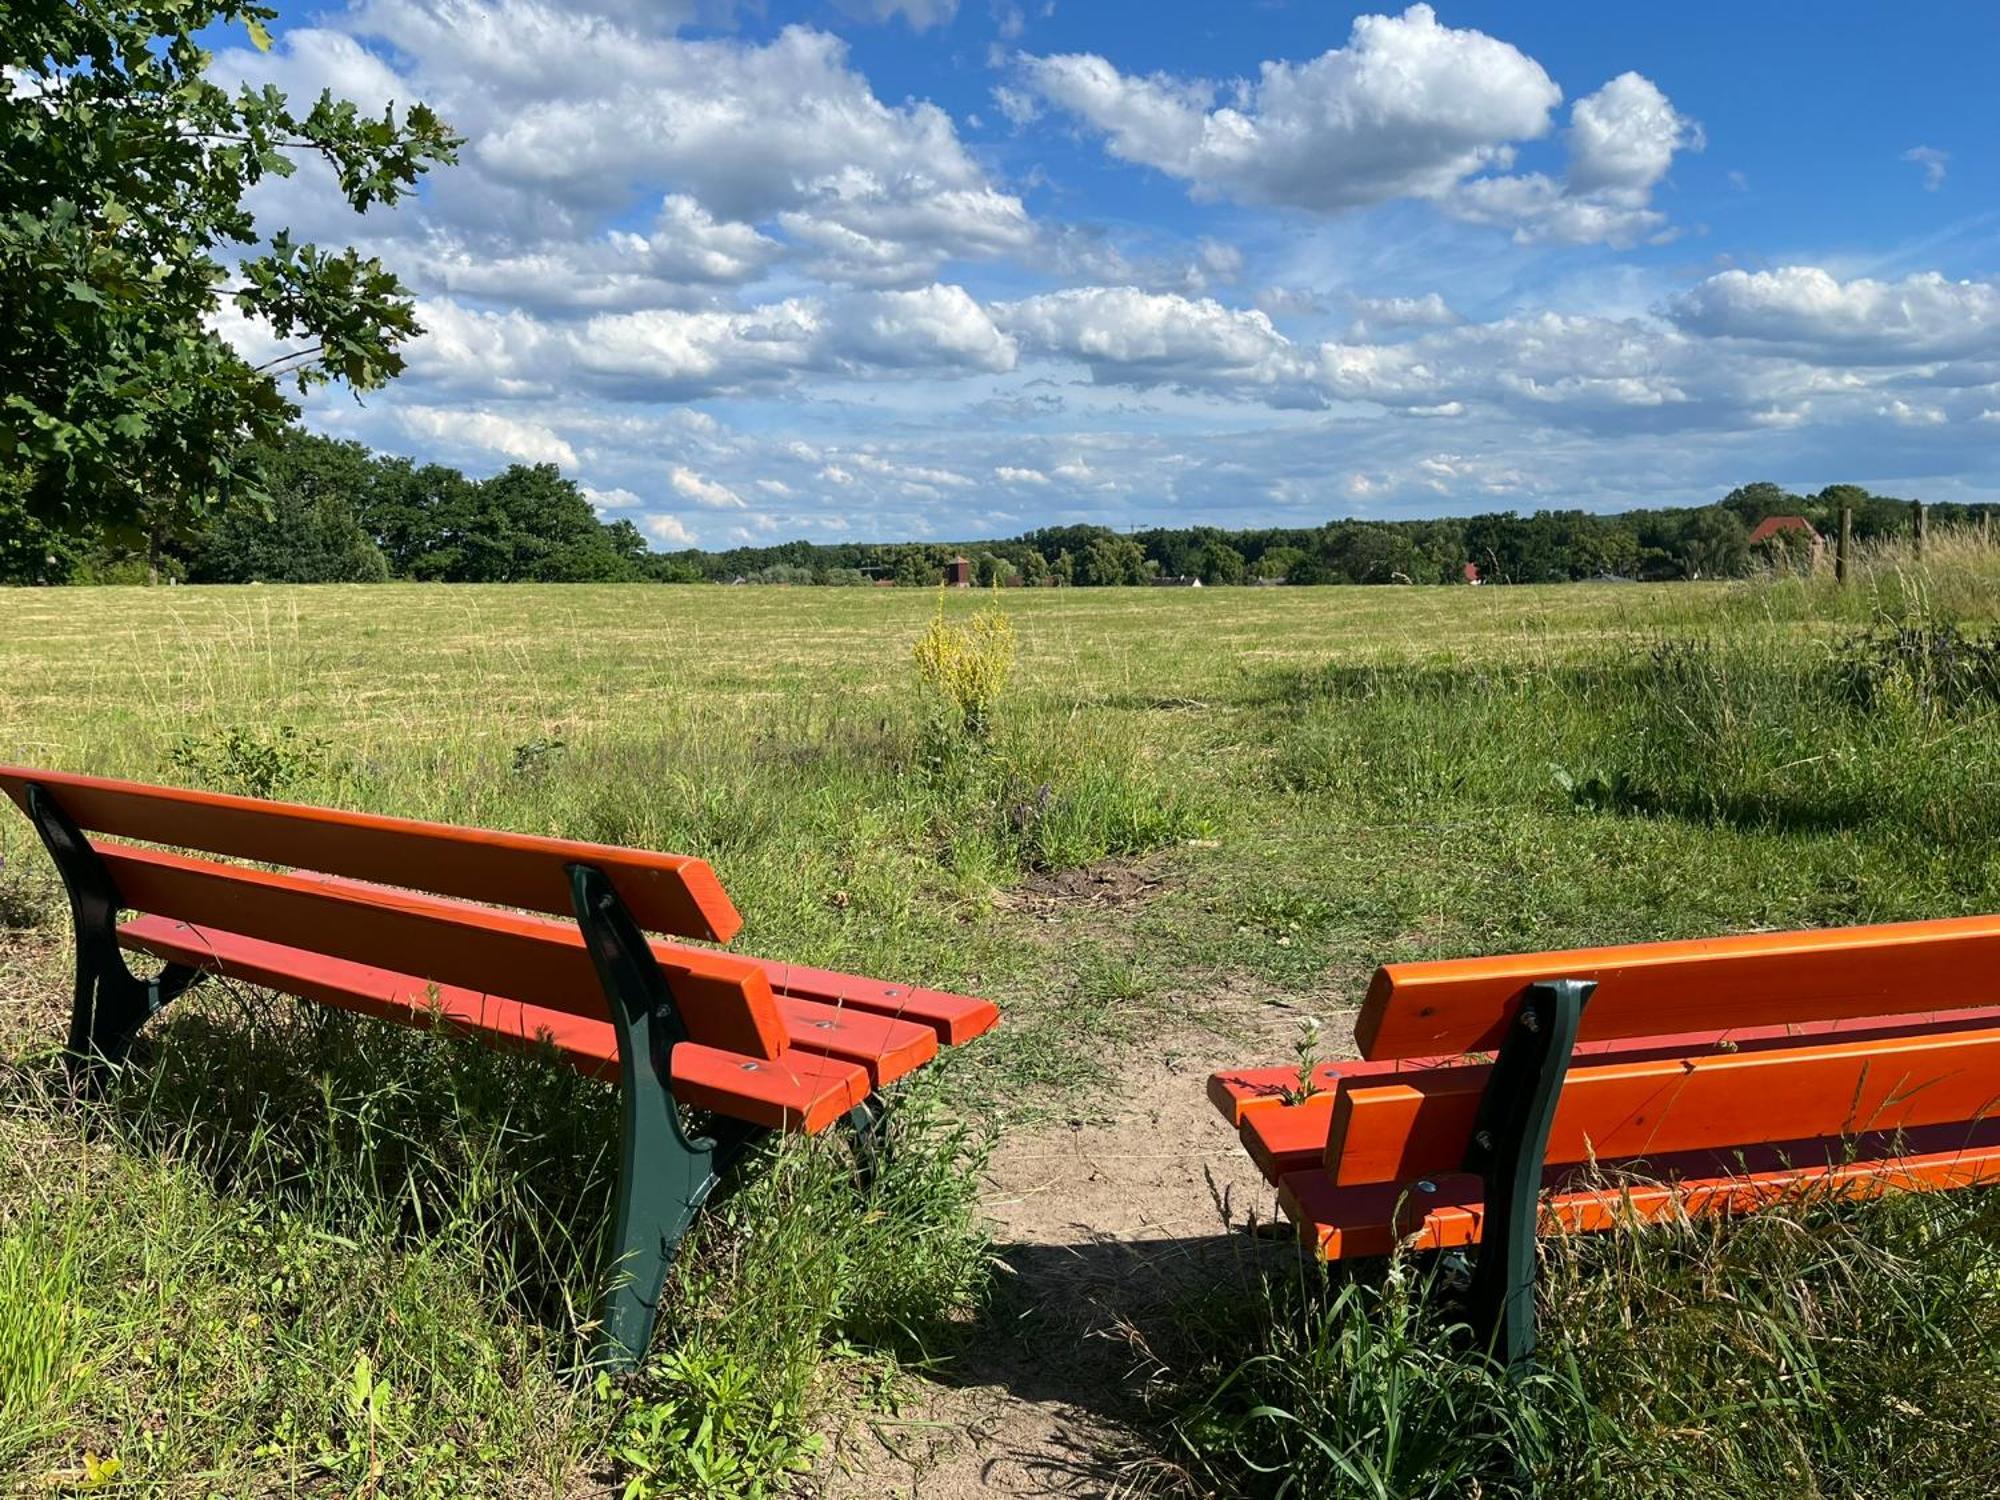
(297, 1252)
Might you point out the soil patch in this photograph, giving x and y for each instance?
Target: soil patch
(1103, 1230)
(1108, 885)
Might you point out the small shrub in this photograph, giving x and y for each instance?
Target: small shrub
(22, 906)
(533, 759)
(966, 666)
(713, 1432)
(1940, 667)
(252, 762)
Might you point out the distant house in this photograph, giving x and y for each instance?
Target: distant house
(1176, 581)
(1789, 534)
(958, 573)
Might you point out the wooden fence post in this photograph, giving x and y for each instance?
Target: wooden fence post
(1845, 549)
(1921, 513)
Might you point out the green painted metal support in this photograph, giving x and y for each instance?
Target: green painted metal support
(1509, 1143)
(664, 1174)
(868, 1122)
(111, 1002)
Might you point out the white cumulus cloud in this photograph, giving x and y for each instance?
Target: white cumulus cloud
(1809, 311)
(488, 432)
(707, 493)
(1407, 109)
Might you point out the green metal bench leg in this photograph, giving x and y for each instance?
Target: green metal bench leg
(868, 1124)
(1509, 1143)
(111, 1003)
(664, 1175)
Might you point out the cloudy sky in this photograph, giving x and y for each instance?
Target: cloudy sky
(879, 269)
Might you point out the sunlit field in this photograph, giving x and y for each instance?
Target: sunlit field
(297, 1251)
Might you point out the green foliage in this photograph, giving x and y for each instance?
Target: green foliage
(251, 762)
(31, 550)
(310, 534)
(1109, 560)
(1815, 1348)
(714, 1432)
(43, 1333)
(121, 198)
(966, 666)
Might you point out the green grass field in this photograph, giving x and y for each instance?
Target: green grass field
(294, 1252)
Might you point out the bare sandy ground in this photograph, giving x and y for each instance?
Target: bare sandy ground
(1101, 1229)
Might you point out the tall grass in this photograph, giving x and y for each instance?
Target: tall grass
(1815, 1349)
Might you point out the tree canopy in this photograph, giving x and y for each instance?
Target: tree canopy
(124, 238)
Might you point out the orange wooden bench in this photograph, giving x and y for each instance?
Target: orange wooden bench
(425, 924)
(1713, 1076)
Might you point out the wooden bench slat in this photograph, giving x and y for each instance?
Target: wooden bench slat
(1369, 1220)
(1462, 1005)
(1254, 1099)
(807, 1088)
(887, 1048)
(1421, 1124)
(727, 1003)
(665, 892)
(955, 1018)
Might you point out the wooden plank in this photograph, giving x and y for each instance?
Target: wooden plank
(951, 1018)
(955, 1018)
(804, 1089)
(1370, 1220)
(1239, 1091)
(726, 1002)
(1462, 1005)
(888, 1049)
(1255, 1100)
(666, 892)
(1419, 1126)
(1290, 1137)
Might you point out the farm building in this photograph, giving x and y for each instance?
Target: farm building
(1789, 533)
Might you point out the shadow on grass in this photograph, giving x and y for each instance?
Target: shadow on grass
(1084, 1332)
(375, 1133)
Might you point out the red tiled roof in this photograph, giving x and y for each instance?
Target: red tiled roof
(1770, 526)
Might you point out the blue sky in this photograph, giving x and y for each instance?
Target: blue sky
(878, 269)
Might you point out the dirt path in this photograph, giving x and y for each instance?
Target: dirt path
(1102, 1230)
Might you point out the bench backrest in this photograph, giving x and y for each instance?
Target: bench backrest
(726, 1001)
(1711, 984)
(1625, 1097)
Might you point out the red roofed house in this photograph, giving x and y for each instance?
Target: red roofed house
(1792, 535)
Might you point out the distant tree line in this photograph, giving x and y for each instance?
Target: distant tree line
(338, 513)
